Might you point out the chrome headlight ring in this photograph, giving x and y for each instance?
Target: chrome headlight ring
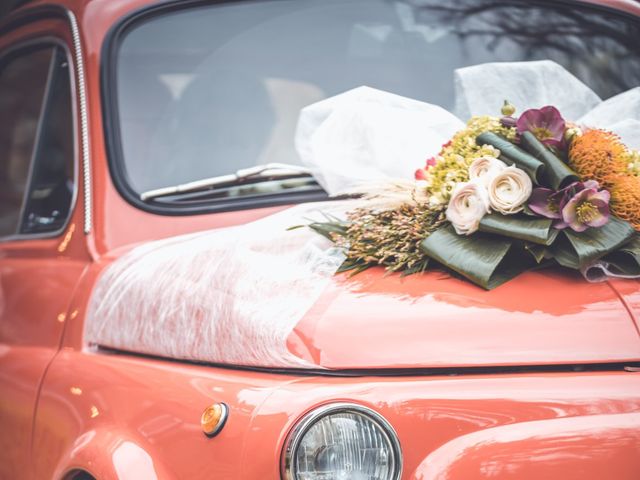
(368, 433)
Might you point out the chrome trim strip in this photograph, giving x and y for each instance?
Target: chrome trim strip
(302, 426)
(84, 122)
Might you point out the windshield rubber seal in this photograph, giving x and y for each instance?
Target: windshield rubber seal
(113, 139)
(111, 125)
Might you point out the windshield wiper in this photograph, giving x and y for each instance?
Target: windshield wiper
(267, 171)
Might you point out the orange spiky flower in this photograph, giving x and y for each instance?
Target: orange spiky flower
(625, 198)
(597, 154)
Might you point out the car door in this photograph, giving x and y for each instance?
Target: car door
(42, 247)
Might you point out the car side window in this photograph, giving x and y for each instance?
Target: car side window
(36, 141)
(50, 194)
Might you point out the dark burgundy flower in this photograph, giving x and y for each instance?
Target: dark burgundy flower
(571, 206)
(545, 123)
(547, 202)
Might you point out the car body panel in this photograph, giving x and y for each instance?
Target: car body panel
(597, 446)
(36, 294)
(120, 416)
(163, 406)
(102, 401)
(589, 322)
(37, 280)
(446, 322)
(629, 291)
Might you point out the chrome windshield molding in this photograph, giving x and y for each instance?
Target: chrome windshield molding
(303, 424)
(84, 121)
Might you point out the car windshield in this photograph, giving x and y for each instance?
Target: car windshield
(206, 91)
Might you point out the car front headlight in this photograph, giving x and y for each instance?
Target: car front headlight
(342, 441)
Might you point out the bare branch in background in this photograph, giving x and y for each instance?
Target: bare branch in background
(595, 46)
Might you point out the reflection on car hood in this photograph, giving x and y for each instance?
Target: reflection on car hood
(373, 320)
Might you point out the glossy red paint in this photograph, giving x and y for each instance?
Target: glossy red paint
(64, 407)
(453, 323)
(37, 278)
(93, 404)
(630, 295)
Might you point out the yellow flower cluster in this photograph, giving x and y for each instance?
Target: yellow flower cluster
(633, 163)
(452, 163)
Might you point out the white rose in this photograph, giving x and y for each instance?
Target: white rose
(469, 203)
(485, 168)
(509, 190)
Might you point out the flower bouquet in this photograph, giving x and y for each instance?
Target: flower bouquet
(505, 195)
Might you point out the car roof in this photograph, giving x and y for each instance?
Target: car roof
(19, 4)
(629, 6)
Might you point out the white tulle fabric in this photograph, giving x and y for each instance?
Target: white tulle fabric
(370, 135)
(366, 135)
(234, 295)
(620, 114)
(223, 296)
(481, 89)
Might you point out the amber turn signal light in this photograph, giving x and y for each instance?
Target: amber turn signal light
(213, 418)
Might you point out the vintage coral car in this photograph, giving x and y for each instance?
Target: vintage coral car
(147, 157)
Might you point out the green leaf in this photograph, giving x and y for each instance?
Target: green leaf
(418, 268)
(354, 266)
(327, 229)
(511, 154)
(555, 174)
(578, 249)
(626, 260)
(532, 229)
(487, 260)
(539, 252)
(527, 211)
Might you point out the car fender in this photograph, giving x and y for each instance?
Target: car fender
(109, 453)
(584, 447)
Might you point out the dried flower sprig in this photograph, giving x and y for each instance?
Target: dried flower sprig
(390, 238)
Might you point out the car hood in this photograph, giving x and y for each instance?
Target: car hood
(549, 317)
(260, 295)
